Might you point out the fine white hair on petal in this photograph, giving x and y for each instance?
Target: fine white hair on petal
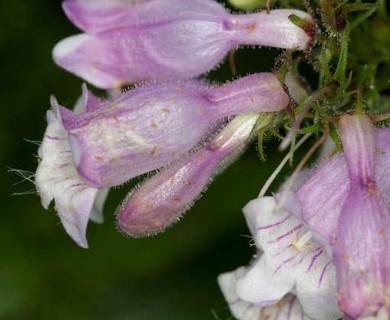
(57, 178)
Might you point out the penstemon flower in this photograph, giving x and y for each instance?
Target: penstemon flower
(110, 142)
(152, 125)
(292, 258)
(126, 42)
(345, 200)
(362, 248)
(325, 189)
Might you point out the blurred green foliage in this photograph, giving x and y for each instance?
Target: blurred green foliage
(43, 274)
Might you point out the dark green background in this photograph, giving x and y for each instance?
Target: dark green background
(43, 274)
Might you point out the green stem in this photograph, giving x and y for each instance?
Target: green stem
(342, 63)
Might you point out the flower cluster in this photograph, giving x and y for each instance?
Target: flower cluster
(171, 123)
(323, 240)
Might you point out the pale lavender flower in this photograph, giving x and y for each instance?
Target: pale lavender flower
(105, 143)
(162, 199)
(152, 125)
(125, 42)
(325, 189)
(345, 199)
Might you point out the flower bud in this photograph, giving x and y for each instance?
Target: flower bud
(162, 199)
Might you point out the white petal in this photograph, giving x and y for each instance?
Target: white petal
(81, 103)
(57, 178)
(69, 45)
(287, 309)
(251, 211)
(242, 310)
(259, 285)
(97, 209)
